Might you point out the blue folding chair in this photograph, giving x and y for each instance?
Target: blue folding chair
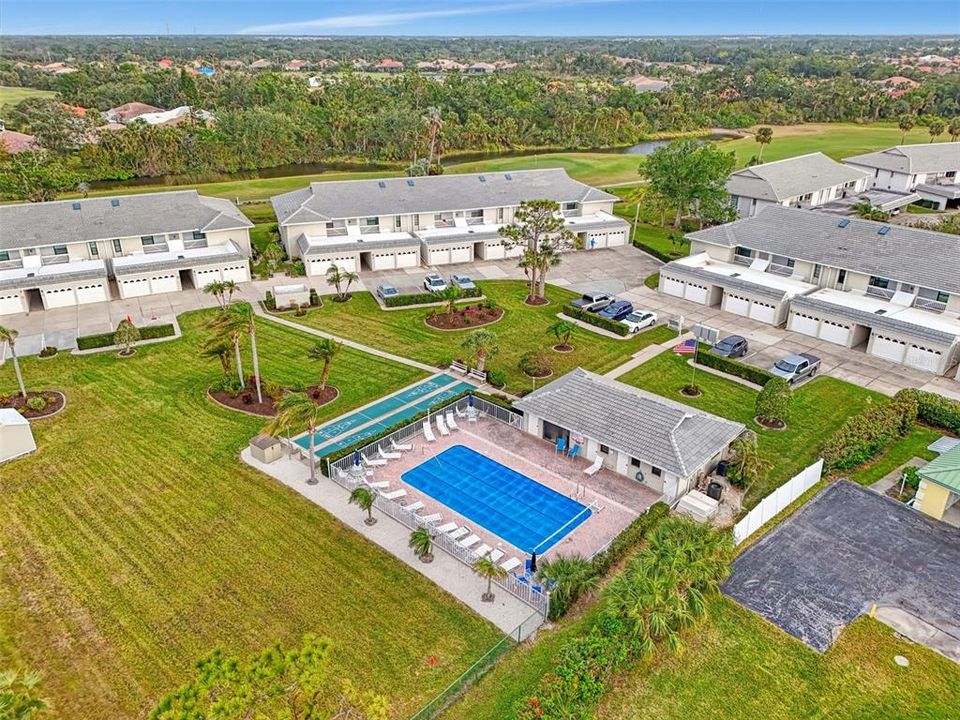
(574, 451)
(561, 445)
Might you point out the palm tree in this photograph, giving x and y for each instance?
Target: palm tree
(905, 123)
(325, 350)
(547, 259)
(337, 276)
(488, 569)
(216, 289)
(747, 463)
(421, 542)
(220, 348)
(231, 327)
(562, 330)
(293, 412)
(953, 129)
(243, 315)
(229, 287)
(434, 125)
(764, 136)
(19, 695)
(9, 336)
(450, 297)
(571, 577)
(935, 126)
(483, 344)
(362, 497)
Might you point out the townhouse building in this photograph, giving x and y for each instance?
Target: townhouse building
(74, 252)
(890, 290)
(928, 170)
(438, 220)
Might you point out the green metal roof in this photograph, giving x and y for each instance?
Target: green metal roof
(945, 470)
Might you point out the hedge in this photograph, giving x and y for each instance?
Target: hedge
(100, 340)
(614, 326)
(732, 367)
(863, 436)
(425, 298)
(934, 409)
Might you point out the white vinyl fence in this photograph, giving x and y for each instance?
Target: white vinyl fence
(777, 501)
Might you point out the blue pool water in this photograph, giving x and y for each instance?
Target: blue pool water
(382, 412)
(526, 514)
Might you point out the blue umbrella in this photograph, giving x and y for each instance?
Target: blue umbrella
(356, 458)
(470, 399)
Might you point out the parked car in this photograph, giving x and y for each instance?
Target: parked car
(434, 283)
(640, 319)
(617, 310)
(732, 346)
(462, 282)
(387, 291)
(794, 368)
(593, 302)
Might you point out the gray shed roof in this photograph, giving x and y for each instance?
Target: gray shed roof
(54, 223)
(230, 254)
(785, 179)
(33, 281)
(920, 257)
(323, 201)
(930, 157)
(725, 281)
(664, 433)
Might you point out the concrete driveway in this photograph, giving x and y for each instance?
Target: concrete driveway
(846, 549)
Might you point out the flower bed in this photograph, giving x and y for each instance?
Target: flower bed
(471, 316)
(36, 404)
(246, 400)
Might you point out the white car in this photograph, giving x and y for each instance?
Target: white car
(640, 319)
(434, 283)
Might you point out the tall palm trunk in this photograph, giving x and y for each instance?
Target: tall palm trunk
(324, 374)
(481, 360)
(16, 369)
(312, 429)
(256, 361)
(236, 354)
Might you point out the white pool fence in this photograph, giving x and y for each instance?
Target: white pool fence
(777, 501)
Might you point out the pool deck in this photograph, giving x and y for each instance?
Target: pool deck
(615, 500)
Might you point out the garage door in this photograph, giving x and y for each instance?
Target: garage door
(736, 304)
(888, 348)
(12, 303)
(673, 287)
(493, 251)
(617, 238)
(439, 257)
(384, 261)
(764, 312)
(60, 297)
(835, 332)
(408, 258)
(515, 251)
(92, 293)
(804, 324)
(696, 293)
(238, 273)
(923, 358)
(462, 254)
(319, 267)
(205, 276)
(134, 287)
(596, 241)
(165, 283)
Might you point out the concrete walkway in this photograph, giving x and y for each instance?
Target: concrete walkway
(919, 631)
(506, 611)
(639, 358)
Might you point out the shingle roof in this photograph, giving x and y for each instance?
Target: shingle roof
(920, 257)
(944, 470)
(664, 433)
(931, 157)
(50, 223)
(323, 201)
(790, 178)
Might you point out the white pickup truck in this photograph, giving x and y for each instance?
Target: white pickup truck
(794, 368)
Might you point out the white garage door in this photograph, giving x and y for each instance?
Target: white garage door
(923, 358)
(673, 287)
(515, 251)
(615, 239)
(60, 297)
(696, 293)
(133, 287)
(205, 276)
(384, 261)
(835, 332)
(92, 293)
(493, 251)
(804, 324)
(461, 254)
(888, 348)
(439, 257)
(408, 258)
(238, 273)
(736, 304)
(764, 312)
(165, 283)
(12, 303)
(319, 266)
(596, 241)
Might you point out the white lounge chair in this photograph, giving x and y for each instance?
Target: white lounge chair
(429, 519)
(414, 506)
(511, 564)
(469, 541)
(472, 414)
(388, 455)
(376, 462)
(483, 550)
(451, 423)
(394, 495)
(459, 533)
(460, 413)
(447, 527)
(427, 432)
(401, 447)
(441, 427)
(352, 475)
(379, 485)
(496, 555)
(595, 468)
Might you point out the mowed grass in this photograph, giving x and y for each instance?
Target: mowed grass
(135, 541)
(738, 665)
(522, 328)
(913, 444)
(820, 407)
(12, 95)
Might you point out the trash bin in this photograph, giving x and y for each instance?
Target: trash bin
(722, 467)
(715, 490)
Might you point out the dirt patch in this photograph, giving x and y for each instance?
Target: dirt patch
(538, 376)
(563, 348)
(54, 402)
(536, 302)
(471, 316)
(690, 392)
(246, 401)
(774, 425)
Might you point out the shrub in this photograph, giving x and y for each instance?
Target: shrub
(36, 403)
(48, 351)
(866, 434)
(614, 326)
(315, 298)
(911, 477)
(102, 340)
(497, 378)
(733, 367)
(773, 401)
(229, 385)
(270, 302)
(427, 298)
(535, 363)
(297, 269)
(935, 409)
(651, 250)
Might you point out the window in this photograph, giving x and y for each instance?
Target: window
(656, 471)
(604, 449)
(117, 247)
(198, 235)
(500, 215)
(841, 277)
(438, 217)
(743, 252)
(59, 249)
(569, 206)
(878, 282)
(94, 250)
(147, 240)
(476, 214)
(634, 463)
(28, 252)
(816, 272)
(397, 222)
(4, 256)
(416, 222)
(370, 221)
(330, 225)
(783, 260)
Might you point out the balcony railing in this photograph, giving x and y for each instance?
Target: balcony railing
(155, 248)
(931, 305)
(195, 244)
(11, 264)
(474, 221)
(444, 223)
(879, 292)
(783, 270)
(336, 232)
(571, 213)
(54, 259)
(742, 260)
(369, 229)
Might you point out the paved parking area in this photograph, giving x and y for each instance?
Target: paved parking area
(844, 550)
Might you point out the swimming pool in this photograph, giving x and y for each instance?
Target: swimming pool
(526, 514)
(382, 412)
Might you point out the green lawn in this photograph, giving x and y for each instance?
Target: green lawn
(522, 328)
(820, 407)
(135, 540)
(13, 95)
(738, 665)
(913, 444)
(262, 235)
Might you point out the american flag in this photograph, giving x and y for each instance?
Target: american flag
(687, 347)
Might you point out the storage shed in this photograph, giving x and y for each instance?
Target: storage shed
(266, 448)
(16, 437)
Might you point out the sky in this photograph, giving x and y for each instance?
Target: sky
(616, 18)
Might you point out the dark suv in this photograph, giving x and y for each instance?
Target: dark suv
(732, 346)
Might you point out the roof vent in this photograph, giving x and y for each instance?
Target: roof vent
(482, 179)
(880, 312)
(410, 183)
(115, 202)
(76, 206)
(884, 230)
(843, 223)
(508, 176)
(382, 184)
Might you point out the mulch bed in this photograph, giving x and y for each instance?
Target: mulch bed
(686, 392)
(55, 402)
(776, 425)
(538, 376)
(247, 400)
(536, 302)
(469, 317)
(563, 348)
